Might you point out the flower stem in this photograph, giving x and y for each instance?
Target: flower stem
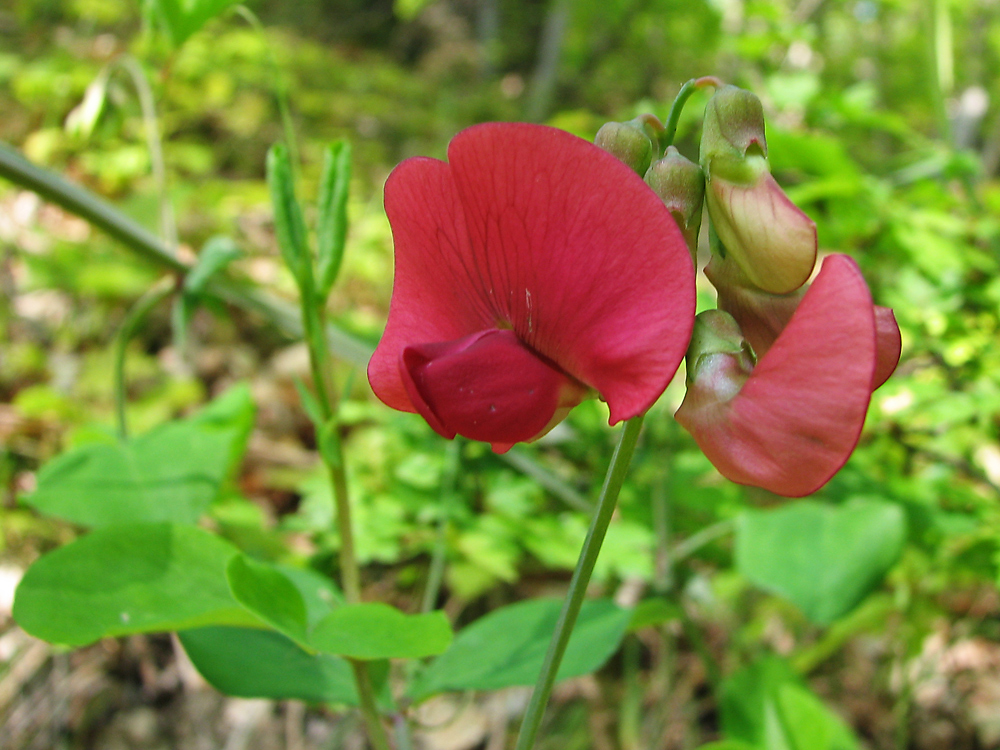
(670, 126)
(435, 575)
(153, 296)
(578, 584)
(154, 144)
(279, 81)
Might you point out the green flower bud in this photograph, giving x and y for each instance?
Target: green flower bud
(680, 183)
(770, 238)
(633, 142)
(734, 122)
(718, 357)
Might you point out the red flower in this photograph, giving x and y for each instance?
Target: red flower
(532, 269)
(789, 423)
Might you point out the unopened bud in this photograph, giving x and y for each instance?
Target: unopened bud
(769, 237)
(734, 121)
(680, 183)
(719, 360)
(633, 142)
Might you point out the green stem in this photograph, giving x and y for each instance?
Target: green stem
(153, 296)
(168, 225)
(366, 696)
(578, 584)
(313, 313)
(673, 118)
(435, 574)
(280, 85)
(104, 216)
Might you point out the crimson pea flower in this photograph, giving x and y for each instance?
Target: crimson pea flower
(790, 420)
(533, 269)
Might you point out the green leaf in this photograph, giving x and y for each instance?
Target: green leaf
(653, 611)
(506, 647)
(767, 705)
(406, 10)
(377, 631)
(744, 697)
(130, 578)
(83, 118)
(215, 255)
(169, 474)
(182, 18)
(268, 594)
(823, 558)
(289, 226)
(251, 663)
(318, 592)
(233, 412)
(808, 724)
(331, 228)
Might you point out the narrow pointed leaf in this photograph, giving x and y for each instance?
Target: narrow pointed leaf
(289, 226)
(331, 229)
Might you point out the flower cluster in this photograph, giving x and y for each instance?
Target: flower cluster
(780, 376)
(534, 269)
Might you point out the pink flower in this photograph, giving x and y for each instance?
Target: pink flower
(788, 422)
(532, 269)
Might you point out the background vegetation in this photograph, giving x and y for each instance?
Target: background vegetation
(883, 125)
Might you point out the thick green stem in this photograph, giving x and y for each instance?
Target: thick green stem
(156, 294)
(578, 584)
(369, 710)
(80, 202)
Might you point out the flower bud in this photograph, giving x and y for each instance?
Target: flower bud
(680, 183)
(769, 237)
(719, 360)
(633, 142)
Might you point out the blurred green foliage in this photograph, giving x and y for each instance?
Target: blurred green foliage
(882, 123)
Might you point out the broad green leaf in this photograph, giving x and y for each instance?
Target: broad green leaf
(234, 412)
(182, 18)
(318, 592)
(289, 226)
(653, 611)
(377, 631)
(767, 706)
(727, 745)
(268, 594)
(808, 724)
(130, 578)
(169, 474)
(506, 647)
(250, 663)
(331, 226)
(744, 697)
(823, 558)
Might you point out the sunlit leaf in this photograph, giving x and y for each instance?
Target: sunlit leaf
(130, 578)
